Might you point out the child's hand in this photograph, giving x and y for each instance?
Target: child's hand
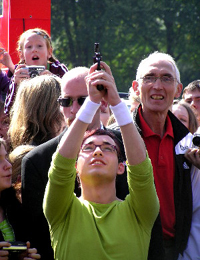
(6, 60)
(20, 74)
(46, 72)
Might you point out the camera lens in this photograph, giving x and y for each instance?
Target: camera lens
(34, 74)
(196, 140)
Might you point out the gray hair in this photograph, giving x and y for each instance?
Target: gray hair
(155, 56)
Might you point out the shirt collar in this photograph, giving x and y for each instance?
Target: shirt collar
(146, 130)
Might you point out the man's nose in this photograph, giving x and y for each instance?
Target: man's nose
(97, 151)
(157, 84)
(193, 104)
(75, 107)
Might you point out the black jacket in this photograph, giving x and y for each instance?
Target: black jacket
(14, 214)
(182, 189)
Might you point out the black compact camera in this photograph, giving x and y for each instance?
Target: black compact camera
(97, 58)
(34, 70)
(16, 247)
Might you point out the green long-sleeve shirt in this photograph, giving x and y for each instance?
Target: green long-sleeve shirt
(83, 230)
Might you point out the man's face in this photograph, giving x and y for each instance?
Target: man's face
(158, 96)
(99, 163)
(193, 98)
(74, 88)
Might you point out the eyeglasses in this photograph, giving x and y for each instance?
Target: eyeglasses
(167, 80)
(107, 148)
(68, 101)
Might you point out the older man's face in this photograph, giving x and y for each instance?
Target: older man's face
(158, 96)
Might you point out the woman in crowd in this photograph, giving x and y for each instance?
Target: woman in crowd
(35, 116)
(15, 158)
(185, 114)
(12, 219)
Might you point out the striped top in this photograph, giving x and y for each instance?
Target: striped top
(7, 231)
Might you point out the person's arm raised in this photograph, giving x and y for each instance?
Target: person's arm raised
(133, 143)
(71, 141)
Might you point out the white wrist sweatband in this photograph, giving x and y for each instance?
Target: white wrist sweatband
(87, 111)
(122, 114)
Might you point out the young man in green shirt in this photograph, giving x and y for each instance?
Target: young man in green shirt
(98, 225)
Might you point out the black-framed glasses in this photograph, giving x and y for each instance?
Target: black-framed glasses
(107, 148)
(68, 101)
(150, 79)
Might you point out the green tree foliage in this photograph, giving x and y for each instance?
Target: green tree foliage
(128, 31)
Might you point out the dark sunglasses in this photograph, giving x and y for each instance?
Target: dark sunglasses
(68, 101)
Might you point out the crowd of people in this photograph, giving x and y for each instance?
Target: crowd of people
(87, 177)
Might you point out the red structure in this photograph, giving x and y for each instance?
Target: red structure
(18, 16)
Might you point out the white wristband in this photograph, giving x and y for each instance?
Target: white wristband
(87, 111)
(122, 114)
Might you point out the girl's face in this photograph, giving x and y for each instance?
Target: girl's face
(35, 51)
(5, 170)
(181, 113)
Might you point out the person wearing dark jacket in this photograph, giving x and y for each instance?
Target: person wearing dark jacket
(4, 84)
(12, 217)
(167, 139)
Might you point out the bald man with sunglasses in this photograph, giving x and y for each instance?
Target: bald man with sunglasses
(35, 164)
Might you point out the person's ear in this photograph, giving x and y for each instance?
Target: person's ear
(178, 90)
(135, 87)
(50, 52)
(121, 168)
(21, 55)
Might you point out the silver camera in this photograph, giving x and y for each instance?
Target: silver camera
(34, 70)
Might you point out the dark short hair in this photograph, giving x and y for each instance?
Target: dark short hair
(111, 135)
(191, 87)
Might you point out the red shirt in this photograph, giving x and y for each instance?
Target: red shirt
(161, 153)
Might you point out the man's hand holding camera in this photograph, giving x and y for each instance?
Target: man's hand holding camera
(102, 77)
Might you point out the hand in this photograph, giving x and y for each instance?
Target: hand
(193, 155)
(20, 74)
(4, 253)
(102, 77)
(31, 253)
(91, 80)
(6, 60)
(46, 72)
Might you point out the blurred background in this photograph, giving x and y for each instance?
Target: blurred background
(127, 31)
